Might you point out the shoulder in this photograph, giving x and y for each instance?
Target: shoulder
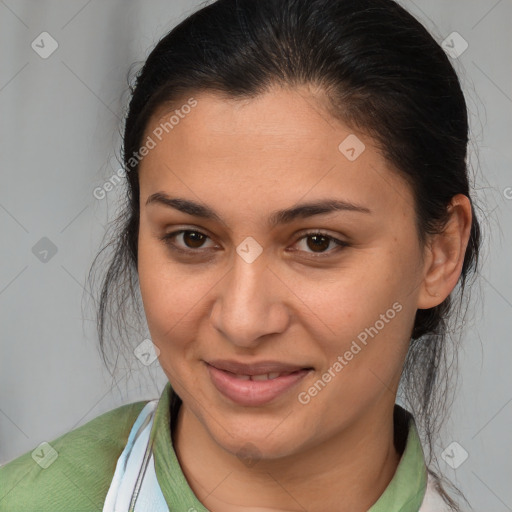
(72, 472)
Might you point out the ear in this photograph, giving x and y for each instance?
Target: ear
(445, 254)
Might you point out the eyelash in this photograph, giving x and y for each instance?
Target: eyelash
(167, 239)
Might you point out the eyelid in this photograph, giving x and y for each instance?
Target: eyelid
(167, 237)
(340, 244)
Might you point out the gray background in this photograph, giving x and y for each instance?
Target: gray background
(60, 119)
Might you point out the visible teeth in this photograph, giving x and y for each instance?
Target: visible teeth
(263, 376)
(266, 376)
(242, 377)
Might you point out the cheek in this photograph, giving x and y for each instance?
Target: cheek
(364, 312)
(349, 300)
(163, 297)
(174, 295)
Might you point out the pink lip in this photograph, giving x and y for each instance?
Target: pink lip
(254, 392)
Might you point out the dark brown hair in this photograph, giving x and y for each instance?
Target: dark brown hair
(383, 73)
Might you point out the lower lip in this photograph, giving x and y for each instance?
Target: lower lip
(253, 392)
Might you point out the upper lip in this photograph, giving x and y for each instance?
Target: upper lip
(259, 368)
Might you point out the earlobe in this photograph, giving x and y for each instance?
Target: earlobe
(445, 254)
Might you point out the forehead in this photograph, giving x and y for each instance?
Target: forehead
(282, 119)
(276, 147)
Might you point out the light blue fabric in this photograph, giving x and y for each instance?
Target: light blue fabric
(134, 487)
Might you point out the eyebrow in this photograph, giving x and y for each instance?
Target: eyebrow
(277, 217)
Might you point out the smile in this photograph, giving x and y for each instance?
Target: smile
(262, 376)
(254, 389)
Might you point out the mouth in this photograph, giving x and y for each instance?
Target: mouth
(255, 384)
(262, 376)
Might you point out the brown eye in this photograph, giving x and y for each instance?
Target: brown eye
(318, 242)
(193, 239)
(186, 240)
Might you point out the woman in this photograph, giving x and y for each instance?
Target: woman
(298, 215)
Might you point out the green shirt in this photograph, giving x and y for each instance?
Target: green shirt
(79, 477)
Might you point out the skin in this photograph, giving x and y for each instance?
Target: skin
(245, 159)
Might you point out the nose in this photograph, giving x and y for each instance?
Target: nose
(250, 303)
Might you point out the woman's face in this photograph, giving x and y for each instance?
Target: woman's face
(257, 284)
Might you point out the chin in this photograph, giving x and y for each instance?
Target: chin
(252, 440)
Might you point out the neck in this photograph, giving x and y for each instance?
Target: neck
(347, 472)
